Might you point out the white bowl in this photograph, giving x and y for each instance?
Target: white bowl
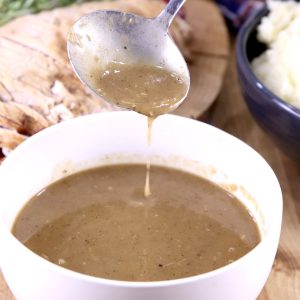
(121, 137)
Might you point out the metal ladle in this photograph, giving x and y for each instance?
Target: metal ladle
(103, 36)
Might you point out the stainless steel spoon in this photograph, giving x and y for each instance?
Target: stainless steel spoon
(103, 36)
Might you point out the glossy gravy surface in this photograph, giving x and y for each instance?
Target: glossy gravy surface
(98, 222)
(149, 90)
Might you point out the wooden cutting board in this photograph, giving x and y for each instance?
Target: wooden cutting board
(210, 49)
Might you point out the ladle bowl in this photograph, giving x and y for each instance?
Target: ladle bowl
(105, 36)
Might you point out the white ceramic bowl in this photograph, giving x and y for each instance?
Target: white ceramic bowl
(121, 137)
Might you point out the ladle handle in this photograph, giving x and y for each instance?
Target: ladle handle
(167, 15)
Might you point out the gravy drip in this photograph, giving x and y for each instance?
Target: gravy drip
(149, 90)
(147, 191)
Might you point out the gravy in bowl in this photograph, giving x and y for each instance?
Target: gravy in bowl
(98, 222)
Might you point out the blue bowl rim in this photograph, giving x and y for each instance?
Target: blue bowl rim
(244, 63)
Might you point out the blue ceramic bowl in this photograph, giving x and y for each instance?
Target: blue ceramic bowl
(280, 120)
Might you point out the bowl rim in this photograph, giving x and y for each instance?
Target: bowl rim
(244, 64)
(140, 284)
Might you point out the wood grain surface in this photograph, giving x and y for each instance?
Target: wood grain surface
(210, 51)
(230, 114)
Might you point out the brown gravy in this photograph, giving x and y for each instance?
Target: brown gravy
(98, 222)
(149, 90)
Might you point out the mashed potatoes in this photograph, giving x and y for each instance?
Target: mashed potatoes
(279, 66)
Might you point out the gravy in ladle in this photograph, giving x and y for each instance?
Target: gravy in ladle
(149, 90)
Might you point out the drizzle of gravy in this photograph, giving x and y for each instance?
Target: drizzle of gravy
(147, 191)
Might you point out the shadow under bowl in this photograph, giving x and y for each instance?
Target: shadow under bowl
(280, 120)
